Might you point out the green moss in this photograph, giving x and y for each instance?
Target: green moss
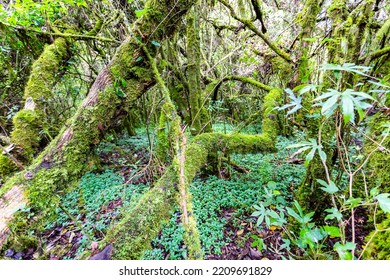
(19, 239)
(309, 15)
(7, 166)
(378, 42)
(132, 235)
(282, 67)
(192, 240)
(270, 122)
(379, 176)
(44, 70)
(379, 247)
(337, 7)
(63, 161)
(26, 131)
(378, 164)
(304, 71)
(199, 120)
(28, 122)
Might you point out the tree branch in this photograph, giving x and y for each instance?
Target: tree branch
(59, 34)
(259, 14)
(249, 24)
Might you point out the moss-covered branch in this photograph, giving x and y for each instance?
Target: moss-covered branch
(200, 119)
(133, 234)
(248, 80)
(30, 120)
(379, 53)
(65, 159)
(216, 85)
(88, 36)
(178, 144)
(250, 25)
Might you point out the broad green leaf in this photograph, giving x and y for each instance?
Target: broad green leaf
(299, 145)
(259, 243)
(293, 214)
(330, 188)
(332, 231)
(256, 213)
(310, 156)
(260, 208)
(348, 67)
(299, 208)
(286, 244)
(360, 113)
(155, 43)
(322, 154)
(353, 202)
(334, 214)
(260, 220)
(140, 13)
(363, 95)
(374, 191)
(329, 105)
(307, 217)
(344, 250)
(347, 109)
(310, 40)
(330, 93)
(267, 221)
(273, 214)
(119, 92)
(384, 202)
(307, 88)
(271, 184)
(315, 235)
(295, 102)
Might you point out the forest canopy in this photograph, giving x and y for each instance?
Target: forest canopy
(194, 129)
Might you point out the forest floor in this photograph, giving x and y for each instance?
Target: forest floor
(223, 204)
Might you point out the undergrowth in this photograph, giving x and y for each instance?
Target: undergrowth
(211, 196)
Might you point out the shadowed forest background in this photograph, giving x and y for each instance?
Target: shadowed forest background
(195, 129)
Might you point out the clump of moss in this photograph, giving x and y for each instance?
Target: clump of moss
(132, 235)
(7, 166)
(379, 247)
(26, 131)
(378, 163)
(29, 121)
(282, 67)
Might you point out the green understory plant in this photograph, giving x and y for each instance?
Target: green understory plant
(339, 107)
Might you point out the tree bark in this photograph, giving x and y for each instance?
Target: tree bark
(116, 88)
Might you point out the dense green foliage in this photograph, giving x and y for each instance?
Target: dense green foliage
(195, 129)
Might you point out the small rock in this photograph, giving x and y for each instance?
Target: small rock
(9, 253)
(94, 245)
(255, 254)
(103, 255)
(18, 256)
(28, 175)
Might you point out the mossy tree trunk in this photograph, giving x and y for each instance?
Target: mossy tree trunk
(116, 88)
(35, 116)
(308, 193)
(200, 119)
